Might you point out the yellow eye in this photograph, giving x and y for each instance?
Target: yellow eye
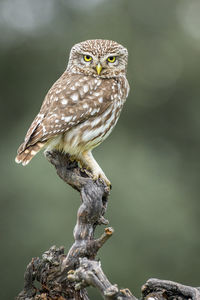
(111, 59)
(87, 58)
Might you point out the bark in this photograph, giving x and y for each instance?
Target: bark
(63, 276)
(166, 289)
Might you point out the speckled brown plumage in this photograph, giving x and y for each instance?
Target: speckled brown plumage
(82, 107)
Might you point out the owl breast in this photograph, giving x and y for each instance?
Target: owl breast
(92, 132)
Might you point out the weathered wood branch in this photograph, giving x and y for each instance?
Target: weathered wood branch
(52, 270)
(90, 273)
(166, 289)
(62, 276)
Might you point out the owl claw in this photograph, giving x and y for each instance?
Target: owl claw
(92, 167)
(96, 176)
(103, 177)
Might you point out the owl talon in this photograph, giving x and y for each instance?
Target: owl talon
(103, 177)
(72, 158)
(87, 171)
(91, 167)
(108, 183)
(97, 176)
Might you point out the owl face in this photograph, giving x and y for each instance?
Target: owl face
(102, 58)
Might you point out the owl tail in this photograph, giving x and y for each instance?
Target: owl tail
(25, 156)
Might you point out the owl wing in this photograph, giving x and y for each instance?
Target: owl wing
(72, 100)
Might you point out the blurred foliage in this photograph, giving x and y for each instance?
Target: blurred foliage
(152, 157)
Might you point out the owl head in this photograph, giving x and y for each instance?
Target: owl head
(99, 58)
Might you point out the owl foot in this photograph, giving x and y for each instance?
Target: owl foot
(73, 158)
(88, 161)
(96, 176)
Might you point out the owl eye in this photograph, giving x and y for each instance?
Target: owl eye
(87, 58)
(111, 59)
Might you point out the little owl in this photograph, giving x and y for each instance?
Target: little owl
(83, 106)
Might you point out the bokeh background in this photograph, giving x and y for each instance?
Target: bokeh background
(152, 157)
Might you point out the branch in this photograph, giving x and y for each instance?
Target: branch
(52, 270)
(165, 289)
(94, 196)
(90, 274)
(65, 277)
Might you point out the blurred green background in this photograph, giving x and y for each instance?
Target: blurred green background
(152, 157)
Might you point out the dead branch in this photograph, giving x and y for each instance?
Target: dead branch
(90, 273)
(164, 289)
(51, 271)
(65, 277)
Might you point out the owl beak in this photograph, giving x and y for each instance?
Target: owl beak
(99, 68)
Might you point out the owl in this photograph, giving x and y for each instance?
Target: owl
(83, 105)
